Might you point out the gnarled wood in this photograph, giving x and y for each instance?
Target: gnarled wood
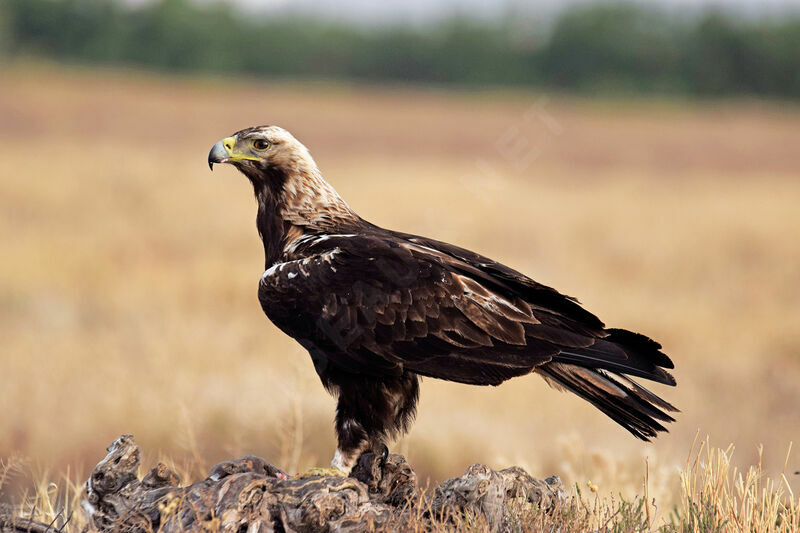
(251, 495)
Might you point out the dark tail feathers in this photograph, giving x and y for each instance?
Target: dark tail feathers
(597, 374)
(623, 352)
(626, 402)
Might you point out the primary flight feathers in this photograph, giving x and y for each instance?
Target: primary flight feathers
(377, 308)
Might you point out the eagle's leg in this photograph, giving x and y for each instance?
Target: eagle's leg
(370, 410)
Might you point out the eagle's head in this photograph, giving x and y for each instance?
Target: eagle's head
(286, 179)
(262, 152)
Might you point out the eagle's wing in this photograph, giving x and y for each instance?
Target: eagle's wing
(379, 303)
(612, 349)
(495, 274)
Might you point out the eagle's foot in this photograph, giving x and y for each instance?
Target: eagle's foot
(331, 471)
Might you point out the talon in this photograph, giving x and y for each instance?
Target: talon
(384, 456)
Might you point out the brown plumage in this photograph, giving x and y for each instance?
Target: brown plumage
(377, 308)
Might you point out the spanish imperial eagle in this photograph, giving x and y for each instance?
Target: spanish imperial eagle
(376, 309)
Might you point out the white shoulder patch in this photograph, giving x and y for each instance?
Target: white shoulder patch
(302, 266)
(271, 270)
(323, 238)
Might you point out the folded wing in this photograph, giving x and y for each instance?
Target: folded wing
(381, 303)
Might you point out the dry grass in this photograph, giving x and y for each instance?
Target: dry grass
(128, 272)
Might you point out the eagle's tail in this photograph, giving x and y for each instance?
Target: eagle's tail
(626, 402)
(598, 375)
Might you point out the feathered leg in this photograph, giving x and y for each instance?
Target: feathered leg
(369, 411)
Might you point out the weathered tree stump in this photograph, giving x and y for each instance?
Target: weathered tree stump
(253, 496)
(495, 495)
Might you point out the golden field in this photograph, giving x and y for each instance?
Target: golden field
(129, 271)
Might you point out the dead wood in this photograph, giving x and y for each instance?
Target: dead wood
(251, 495)
(10, 523)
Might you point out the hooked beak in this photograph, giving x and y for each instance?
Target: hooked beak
(221, 152)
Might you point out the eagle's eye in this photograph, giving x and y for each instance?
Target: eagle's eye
(260, 144)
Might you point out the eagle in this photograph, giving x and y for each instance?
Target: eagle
(378, 309)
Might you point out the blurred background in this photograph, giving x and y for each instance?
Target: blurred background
(642, 157)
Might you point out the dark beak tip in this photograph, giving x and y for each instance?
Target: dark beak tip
(216, 155)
